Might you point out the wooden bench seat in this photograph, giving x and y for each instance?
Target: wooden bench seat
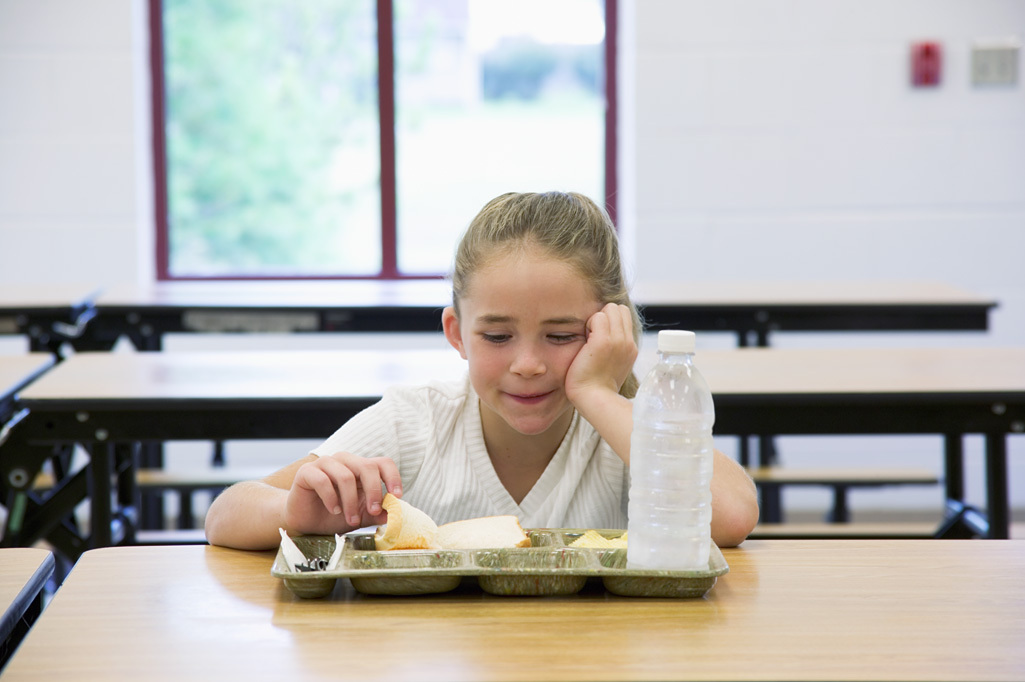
(881, 530)
(184, 482)
(191, 536)
(841, 481)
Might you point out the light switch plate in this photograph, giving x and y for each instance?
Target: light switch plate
(995, 64)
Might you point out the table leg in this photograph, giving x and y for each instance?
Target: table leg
(997, 508)
(953, 466)
(772, 501)
(151, 506)
(100, 472)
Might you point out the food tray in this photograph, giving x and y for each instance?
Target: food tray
(548, 567)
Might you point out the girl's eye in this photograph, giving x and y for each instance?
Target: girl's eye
(495, 338)
(563, 338)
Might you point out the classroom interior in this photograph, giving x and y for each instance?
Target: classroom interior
(766, 146)
(757, 142)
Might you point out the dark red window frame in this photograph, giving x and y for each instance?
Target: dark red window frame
(386, 106)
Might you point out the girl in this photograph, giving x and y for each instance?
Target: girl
(539, 428)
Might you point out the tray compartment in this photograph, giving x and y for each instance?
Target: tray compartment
(533, 572)
(545, 537)
(404, 560)
(409, 584)
(405, 572)
(312, 585)
(571, 535)
(620, 580)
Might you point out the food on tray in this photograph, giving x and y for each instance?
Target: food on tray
(592, 539)
(407, 527)
(410, 528)
(483, 533)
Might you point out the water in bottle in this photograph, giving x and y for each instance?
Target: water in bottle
(670, 505)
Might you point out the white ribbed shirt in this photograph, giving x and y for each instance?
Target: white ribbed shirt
(433, 433)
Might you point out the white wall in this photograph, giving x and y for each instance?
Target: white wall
(68, 141)
(782, 140)
(759, 140)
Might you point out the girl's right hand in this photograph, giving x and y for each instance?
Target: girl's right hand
(340, 493)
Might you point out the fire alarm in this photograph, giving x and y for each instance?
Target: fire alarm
(926, 64)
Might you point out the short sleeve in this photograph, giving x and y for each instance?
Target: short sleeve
(371, 433)
(403, 426)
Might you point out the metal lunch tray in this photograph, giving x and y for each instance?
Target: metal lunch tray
(548, 567)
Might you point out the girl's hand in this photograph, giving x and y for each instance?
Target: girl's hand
(606, 358)
(340, 493)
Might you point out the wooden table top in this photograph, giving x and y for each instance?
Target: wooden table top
(199, 375)
(438, 292)
(46, 296)
(795, 610)
(804, 293)
(18, 370)
(327, 373)
(23, 573)
(279, 294)
(861, 371)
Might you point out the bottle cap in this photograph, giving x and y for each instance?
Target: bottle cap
(676, 341)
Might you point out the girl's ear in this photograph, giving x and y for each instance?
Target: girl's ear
(450, 323)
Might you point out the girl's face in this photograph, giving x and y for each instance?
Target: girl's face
(522, 322)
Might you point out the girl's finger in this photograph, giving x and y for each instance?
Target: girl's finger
(346, 483)
(389, 473)
(313, 478)
(370, 481)
(599, 325)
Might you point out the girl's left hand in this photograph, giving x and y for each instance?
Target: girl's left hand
(607, 357)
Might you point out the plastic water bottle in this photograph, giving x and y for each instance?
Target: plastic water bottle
(670, 506)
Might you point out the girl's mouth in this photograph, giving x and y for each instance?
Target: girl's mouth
(529, 399)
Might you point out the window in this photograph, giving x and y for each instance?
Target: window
(356, 138)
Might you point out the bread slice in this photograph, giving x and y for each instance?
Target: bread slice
(407, 527)
(486, 532)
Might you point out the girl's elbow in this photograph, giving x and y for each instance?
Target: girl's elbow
(732, 525)
(214, 528)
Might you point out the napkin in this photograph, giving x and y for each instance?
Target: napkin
(296, 561)
(294, 558)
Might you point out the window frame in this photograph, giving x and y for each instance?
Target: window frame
(386, 119)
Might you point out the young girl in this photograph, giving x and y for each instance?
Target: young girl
(539, 428)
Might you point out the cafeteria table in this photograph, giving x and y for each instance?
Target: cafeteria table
(787, 610)
(23, 575)
(48, 315)
(16, 371)
(750, 309)
(109, 401)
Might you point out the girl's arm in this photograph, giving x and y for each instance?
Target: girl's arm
(734, 502)
(592, 385)
(314, 495)
(599, 370)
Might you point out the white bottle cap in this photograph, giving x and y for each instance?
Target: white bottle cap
(676, 341)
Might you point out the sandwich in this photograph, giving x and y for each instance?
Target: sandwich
(407, 527)
(410, 528)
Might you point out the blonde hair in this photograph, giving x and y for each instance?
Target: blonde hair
(567, 226)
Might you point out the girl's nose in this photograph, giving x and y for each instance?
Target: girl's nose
(528, 363)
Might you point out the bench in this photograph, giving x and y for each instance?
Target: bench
(190, 481)
(185, 483)
(841, 481)
(191, 536)
(853, 531)
(214, 478)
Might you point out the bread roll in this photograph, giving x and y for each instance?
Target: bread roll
(407, 527)
(487, 532)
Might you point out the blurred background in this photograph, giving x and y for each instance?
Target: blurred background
(763, 141)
